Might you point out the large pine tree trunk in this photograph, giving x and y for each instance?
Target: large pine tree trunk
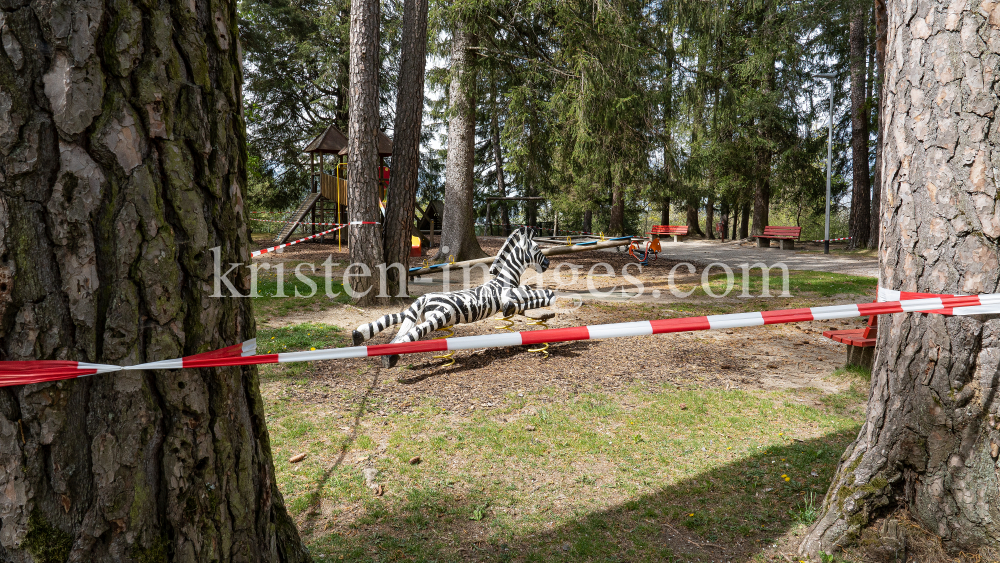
(710, 217)
(458, 235)
(692, 217)
(665, 212)
(724, 218)
(122, 150)
(745, 221)
(860, 223)
(362, 151)
(616, 225)
(881, 21)
(498, 162)
(930, 438)
(402, 196)
(762, 199)
(764, 156)
(668, 117)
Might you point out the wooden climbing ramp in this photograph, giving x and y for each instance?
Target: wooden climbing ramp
(296, 216)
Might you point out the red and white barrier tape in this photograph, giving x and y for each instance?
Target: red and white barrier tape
(257, 253)
(22, 373)
(889, 295)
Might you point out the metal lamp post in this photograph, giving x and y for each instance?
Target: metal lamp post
(829, 159)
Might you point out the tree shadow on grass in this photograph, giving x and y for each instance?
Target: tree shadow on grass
(313, 513)
(732, 512)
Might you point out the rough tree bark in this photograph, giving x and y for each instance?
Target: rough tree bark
(710, 217)
(402, 196)
(762, 199)
(362, 151)
(458, 235)
(860, 223)
(930, 438)
(588, 221)
(745, 221)
(668, 137)
(531, 206)
(764, 156)
(122, 148)
(616, 226)
(881, 21)
(724, 217)
(692, 217)
(498, 162)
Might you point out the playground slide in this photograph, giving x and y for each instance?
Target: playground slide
(296, 216)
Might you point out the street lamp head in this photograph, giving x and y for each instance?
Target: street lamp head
(827, 75)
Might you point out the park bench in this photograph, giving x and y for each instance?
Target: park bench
(676, 231)
(786, 236)
(860, 342)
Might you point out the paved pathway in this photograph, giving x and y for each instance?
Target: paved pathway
(733, 254)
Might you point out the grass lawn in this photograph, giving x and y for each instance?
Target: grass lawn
(299, 296)
(636, 477)
(296, 338)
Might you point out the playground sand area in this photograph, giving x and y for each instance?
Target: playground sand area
(710, 446)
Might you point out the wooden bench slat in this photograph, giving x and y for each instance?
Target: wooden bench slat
(779, 232)
(669, 230)
(853, 337)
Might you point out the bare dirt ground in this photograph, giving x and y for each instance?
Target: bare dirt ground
(771, 357)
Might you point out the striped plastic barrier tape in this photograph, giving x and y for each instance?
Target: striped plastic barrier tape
(21, 373)
(888, 295)
(257, 253)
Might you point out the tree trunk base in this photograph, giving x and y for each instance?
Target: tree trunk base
(931, 437)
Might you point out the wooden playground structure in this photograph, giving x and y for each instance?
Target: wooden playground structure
(327, 200)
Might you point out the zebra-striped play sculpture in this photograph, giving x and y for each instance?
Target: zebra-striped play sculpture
(503, 293)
